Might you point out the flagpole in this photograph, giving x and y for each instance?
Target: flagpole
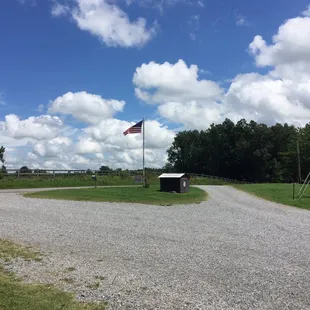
(144, 181)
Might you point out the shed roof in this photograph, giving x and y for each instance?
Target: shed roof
(171, 175)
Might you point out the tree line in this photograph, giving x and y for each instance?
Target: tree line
(246, 151)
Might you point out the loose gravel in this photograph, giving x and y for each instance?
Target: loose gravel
(234, 251)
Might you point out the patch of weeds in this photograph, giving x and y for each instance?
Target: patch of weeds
(94, 286)
(10, 250)
(67, 280)
(38, 259)
(101, 278)
(70, 269)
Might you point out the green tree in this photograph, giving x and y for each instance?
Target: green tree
(247, 151)
(168, 168)
(185, 150)
(3, 168)
(304, 138)
(105, 168)
(25, 169)
(2, 150)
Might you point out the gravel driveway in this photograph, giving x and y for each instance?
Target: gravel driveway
(234, 251)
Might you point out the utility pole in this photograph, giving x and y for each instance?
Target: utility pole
(298, 160)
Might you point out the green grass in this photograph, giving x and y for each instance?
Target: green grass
(281, 193)
(62, 181)
(139, 194)
(12, 182)
(16, 295)
(207, 181)
(9, 250)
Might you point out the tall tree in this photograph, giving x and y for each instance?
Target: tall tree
(2, 150)
(105, 168)
(25, 169)
(304, 138)
(3, 168)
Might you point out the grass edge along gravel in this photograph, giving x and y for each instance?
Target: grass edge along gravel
(140, 195)
(16, 295)
(277, 192)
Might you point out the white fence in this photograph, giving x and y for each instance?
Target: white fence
(61, 172)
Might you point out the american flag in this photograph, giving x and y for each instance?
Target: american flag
(137, 128)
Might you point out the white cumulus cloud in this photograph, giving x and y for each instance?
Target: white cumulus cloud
(108, 22)
(90, 147)
(53, 147)
(110, 133)
(281, 95)
(37, 128)
(291, 44)
(160, 83)
(269, 100)
(86, 145)
(88, 108)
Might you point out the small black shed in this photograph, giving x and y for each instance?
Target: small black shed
(174, 182)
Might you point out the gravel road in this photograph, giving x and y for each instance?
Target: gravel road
(233, 251)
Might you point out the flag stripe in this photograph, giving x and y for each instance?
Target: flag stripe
(137, 128)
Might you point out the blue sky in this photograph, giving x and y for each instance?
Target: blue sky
(44, 56)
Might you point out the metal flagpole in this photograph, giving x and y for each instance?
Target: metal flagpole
(298, 162)
(144, 182)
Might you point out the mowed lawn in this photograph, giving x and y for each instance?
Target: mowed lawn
(12, 182)
(281, 193)
(150, 195)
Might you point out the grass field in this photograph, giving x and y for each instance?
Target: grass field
(16, 295)
(63, 181)
(282, 193)
(139, 194)
(12, 182)
(207, 181)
